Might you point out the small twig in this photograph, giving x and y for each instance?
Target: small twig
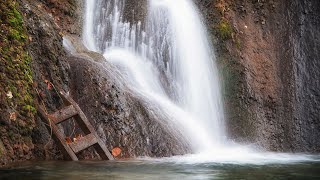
(74, 128)
(55, 89)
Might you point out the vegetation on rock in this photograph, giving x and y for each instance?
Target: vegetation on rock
(16, 75)
(16, 99)
(225, 30)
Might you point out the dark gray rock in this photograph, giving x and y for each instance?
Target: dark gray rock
(304, 38)
(271, 77)
(121, 119)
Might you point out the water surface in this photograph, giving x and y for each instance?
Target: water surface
(162, 169)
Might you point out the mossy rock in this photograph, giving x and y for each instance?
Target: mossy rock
(225, 30)
(15, 61)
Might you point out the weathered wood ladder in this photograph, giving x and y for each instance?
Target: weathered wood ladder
(90, 139)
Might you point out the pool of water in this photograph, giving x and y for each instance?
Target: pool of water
(169, 168)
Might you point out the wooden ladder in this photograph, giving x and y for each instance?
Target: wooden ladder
(90, 139)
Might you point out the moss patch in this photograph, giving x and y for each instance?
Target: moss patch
(16, 103)
(225, 30)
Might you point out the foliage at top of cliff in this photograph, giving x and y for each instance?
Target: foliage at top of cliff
(16, 100)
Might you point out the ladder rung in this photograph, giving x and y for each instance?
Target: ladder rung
(92, 139)
(83, 143)
(63, 114)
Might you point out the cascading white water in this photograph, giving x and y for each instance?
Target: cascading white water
(170, 66)
(174, 47)
(191, 64)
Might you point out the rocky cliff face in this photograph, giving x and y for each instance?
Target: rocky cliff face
(304, 38)
(268, 55)
(34, 49)
(17, 111)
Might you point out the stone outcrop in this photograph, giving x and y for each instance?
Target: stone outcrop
(44, 23)
(268, 57)
(122, 119)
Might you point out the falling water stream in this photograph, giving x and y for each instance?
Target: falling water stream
(172, 46)
(169, 63)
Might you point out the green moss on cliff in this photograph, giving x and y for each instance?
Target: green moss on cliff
(225, 30)
(16, 99)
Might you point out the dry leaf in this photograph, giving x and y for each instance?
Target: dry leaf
(9, 95)
(51, 117)
(49, 86)
(13, 116)
(116, 151)
(42, 94)
(77, 138)
(68, 140)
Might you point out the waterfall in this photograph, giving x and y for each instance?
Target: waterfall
(167, 62)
